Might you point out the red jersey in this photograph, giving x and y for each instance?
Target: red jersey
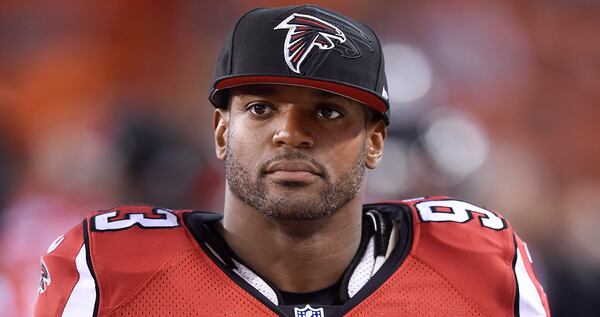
(448, 258)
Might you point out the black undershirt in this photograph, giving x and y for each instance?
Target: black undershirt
(327, 296)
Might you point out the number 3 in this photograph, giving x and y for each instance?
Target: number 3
(103, 222)
(458, 211)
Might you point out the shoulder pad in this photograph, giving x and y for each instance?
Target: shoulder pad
(464, 243)
(129, 243)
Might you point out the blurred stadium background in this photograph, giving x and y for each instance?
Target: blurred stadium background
(495, 102)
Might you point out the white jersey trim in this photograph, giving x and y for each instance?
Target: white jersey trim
(256, 282)
(82, 299)
(363, 271)
(530, 303)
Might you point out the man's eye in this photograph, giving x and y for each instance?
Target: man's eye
(260, 109)
(328, 113)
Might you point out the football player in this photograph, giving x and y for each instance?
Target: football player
(301, 111)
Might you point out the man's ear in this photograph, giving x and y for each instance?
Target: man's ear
(221, 124)
(376, 134)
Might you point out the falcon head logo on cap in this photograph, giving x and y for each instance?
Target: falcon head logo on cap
(44, 278)
(304, 33)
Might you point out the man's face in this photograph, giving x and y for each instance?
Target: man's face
(295, 153)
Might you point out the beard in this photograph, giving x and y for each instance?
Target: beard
(292, 204)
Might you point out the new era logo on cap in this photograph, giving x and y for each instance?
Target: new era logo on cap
(304, 33)
(384, 93)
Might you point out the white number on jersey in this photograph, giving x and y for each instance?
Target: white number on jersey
(457, 211)
(103, 222)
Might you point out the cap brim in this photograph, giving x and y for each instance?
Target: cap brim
(367, 98)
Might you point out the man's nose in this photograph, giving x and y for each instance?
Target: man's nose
(293, 130)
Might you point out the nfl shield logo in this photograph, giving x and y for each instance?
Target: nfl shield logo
(308, 311)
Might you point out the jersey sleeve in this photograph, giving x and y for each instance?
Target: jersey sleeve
(477, 251)
(531, 299)
(102, 262)
(67, 286)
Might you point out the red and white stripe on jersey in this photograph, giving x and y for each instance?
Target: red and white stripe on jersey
(83, 296)
(532, 301)
(71, 291)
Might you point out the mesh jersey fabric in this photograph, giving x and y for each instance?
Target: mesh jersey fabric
(188, 285)
(417, 289)
(452, 269)
(414, 290)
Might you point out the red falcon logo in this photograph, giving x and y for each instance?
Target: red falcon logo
(304, 33)
(44, 278)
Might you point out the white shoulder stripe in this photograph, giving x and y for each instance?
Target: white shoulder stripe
(83, 297)
(530, 303)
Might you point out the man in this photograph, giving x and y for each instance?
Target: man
(301, 113)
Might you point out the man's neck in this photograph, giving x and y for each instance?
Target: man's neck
(295, 256)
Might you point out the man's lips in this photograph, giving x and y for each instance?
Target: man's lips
(293, 171)
(292, 166)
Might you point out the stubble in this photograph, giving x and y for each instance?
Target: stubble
(293, 204)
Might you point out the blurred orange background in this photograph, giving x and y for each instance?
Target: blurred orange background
(495, 102)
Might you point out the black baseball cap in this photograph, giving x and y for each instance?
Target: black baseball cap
(306, 46)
